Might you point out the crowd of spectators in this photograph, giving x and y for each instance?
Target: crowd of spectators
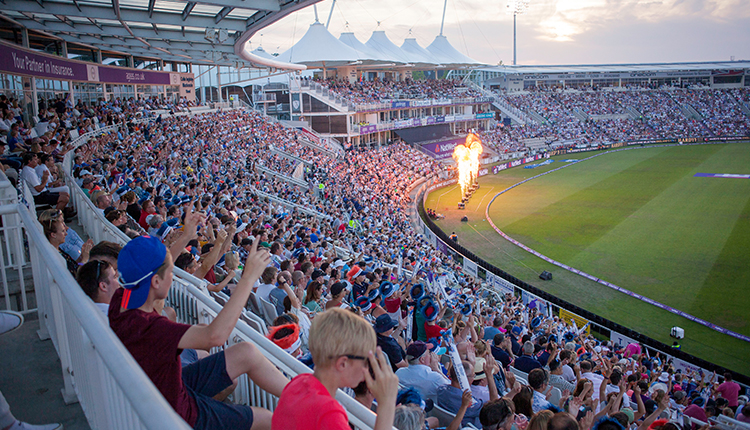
(379, 91)
(192, 185)
(575, 117)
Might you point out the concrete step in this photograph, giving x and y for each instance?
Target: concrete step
(31, 380)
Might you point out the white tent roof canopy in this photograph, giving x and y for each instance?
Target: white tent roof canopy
(417, 54)
(380, 44)
(319, 48)
(365, 53)
(446, 54)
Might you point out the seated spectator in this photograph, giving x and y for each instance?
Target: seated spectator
(424, 371)
(562, 421)
(556, 378)
(539, 382)
(99, 280)
(56, 232)
(497, 414)
(106, 251)
(313, 295)
(384, 327)
(449, 396)
(342, 347)
(501, 349)
(154, 341)
(268, 283)
(526, 363)
(38, 186)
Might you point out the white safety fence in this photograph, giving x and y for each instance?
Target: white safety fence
(97, 369)
(17, 293)
(193, 305)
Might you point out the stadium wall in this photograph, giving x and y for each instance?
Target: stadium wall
(504, 282)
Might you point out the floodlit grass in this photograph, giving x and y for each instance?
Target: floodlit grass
(639, 219)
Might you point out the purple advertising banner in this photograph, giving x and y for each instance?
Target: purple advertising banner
(442, 149)
(132, 76)
(430, 120)
(368, 129)
(22, 62)
(442, 247)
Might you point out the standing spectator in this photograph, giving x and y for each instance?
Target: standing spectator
(729, 390)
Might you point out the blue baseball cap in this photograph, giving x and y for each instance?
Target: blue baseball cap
(138, 262)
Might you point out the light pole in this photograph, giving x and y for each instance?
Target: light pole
(516, 7)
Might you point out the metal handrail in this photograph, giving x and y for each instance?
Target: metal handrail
(156, 413)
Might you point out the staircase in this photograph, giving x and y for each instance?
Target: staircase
(283, 177)
(499, 103)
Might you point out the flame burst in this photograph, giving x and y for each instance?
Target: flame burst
(467, 157)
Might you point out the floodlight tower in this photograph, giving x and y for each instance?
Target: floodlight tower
(516, 7)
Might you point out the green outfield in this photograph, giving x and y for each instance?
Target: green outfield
(639, 219)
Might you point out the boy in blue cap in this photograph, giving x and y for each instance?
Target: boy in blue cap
(156, 342)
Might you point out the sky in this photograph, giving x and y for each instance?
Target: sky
(549, 32)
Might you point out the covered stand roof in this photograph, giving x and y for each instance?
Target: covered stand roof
(319, 48)
(418, 55)
(366, 55)
(195, 31)
(381, 45)
(446, 54)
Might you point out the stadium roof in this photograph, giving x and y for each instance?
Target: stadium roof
(419, 55)
(604, 68)
(319, 48)
(171, 30)
(445, 53)
(365, 54)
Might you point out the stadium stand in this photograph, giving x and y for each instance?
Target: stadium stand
(348, 233)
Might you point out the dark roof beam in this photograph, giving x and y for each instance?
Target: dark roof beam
(269, 5)
(127, 15)
(188, 8)
(151, 4)
(223, 13)
(116, 30)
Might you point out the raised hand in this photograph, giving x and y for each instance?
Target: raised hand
(256, 263)
(384, 386)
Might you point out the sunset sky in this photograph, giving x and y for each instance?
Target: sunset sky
(551, 31)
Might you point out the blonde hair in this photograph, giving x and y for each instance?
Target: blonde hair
(337, 332)
(540, 420)
(480, 348)
(231, 260)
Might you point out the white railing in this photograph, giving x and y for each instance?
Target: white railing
(194, 305)
(97, 369)
(292, 205)
(16, 295)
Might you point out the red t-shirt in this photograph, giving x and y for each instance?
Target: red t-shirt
(305, 404)
(142, 221)
(392, 305)
(729, 390)
(152, 340)
(433, 331)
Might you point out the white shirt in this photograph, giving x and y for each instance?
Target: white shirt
(104, 307)
(424, 379)
(32, 180)
(596, 380)
(264, 290)
(569, 374)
